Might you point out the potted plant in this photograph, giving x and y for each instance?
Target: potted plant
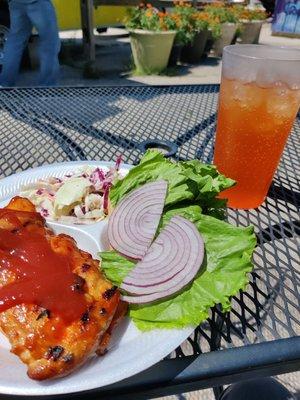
(227, 19)
(193, 51)
(182, 17)
(213, 31)
(152, 35)
(190, 34)
(250, 24)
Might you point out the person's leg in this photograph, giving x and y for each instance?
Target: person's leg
(43, 18)
(19, 33)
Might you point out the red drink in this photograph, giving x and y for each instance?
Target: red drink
(254, 121)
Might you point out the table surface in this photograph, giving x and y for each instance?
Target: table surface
(260, 336)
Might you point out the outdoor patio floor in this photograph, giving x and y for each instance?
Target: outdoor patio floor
(114, 60)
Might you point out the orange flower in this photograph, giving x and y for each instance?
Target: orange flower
(183, 3)
(149, 5)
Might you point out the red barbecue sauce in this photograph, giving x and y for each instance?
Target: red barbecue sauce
(44, 278)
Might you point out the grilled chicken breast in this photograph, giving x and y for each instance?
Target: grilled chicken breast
(40, 338)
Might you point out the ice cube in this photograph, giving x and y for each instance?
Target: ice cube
(280, 107)
(247, 95)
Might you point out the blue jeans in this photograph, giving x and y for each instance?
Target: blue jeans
(23, 17)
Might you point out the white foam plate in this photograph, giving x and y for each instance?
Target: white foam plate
(131, 351)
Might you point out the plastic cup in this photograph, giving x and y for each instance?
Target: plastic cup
(259, 100)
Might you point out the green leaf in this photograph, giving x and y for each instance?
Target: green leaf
(208, 180)
(152, 167)
(115, 266)
(208, 183)
(223, 273)
(188, 182)
(228, 247)
(192, 192)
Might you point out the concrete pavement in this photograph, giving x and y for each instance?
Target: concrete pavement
(114, 63)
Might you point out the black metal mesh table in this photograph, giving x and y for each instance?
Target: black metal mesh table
(260, 336)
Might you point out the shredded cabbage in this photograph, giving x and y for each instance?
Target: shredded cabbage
(79, 198)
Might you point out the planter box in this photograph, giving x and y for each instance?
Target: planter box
(175, 54)
(193, 52)
(151, 50)
(250, 31)
(209, 43)
(228, 31)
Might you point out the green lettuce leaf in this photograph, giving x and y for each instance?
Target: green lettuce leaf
(223, 273)
(208, 183)
(192, 192)
(188, 182)
(115, 266)
(153, 166)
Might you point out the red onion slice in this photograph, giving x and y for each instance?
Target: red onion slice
(171, 263)
(133, 223)
(149, 298)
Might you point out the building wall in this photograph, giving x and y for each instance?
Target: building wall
(68, 14)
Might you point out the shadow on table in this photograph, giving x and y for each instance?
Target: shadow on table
(297, 395)
(113, 64)
(85, 122)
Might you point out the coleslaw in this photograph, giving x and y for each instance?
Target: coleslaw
(80, 197)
